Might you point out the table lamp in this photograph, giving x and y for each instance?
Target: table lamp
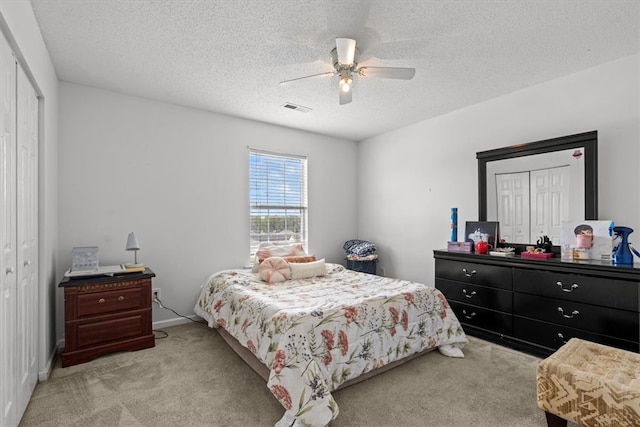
(133, 245)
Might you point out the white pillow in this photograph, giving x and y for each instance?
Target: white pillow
(308, 269)
(277, 249)
(274, 269)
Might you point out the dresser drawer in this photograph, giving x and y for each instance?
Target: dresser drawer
(95, 333)
(601, 320)
(553, 336)
(95, 303)
(492, 298)
(494, 321)
(620, 294)
(479, 274)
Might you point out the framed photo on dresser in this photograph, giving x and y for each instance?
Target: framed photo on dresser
(474, 230)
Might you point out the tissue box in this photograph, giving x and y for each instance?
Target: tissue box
(460, 246)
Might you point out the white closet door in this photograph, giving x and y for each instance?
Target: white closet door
(27, 229)
(549, 202)
(513, 206)
(559, 187)
(8, 257)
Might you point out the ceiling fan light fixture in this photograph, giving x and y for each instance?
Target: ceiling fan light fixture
(345, 50)
(345, 84)
(345, 80)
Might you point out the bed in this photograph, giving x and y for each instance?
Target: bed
(314, 335)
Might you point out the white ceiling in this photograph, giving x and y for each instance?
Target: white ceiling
(229, 56)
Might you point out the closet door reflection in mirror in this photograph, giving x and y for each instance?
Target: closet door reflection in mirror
(531, 196)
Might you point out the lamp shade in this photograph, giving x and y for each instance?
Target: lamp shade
(132, 242)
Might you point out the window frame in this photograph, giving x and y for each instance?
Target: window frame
(275, 202)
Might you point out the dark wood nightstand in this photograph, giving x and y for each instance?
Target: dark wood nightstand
(106, 314)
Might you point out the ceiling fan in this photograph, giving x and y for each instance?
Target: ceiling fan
(345, 61)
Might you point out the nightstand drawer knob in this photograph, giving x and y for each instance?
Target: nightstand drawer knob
(568, 316)
(101, 301)
(562, 338)
(466, 273)
(120, 298)
(573, 287)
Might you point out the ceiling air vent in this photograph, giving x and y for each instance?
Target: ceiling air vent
(300, 108)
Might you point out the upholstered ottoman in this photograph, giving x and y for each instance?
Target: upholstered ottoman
(590, 384)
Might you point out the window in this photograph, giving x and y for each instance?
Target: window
(277, 198)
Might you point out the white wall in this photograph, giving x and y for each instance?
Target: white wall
(178, 177)
(409, 179)
(19, 24)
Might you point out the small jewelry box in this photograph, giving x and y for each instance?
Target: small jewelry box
(460, 246)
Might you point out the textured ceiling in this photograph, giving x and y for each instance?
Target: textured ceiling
(229, 56)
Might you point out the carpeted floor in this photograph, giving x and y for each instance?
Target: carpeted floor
(192, 378)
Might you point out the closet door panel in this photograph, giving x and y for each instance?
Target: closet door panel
(27, 229)
(8, 235)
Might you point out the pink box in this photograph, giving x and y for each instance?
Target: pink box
(544, 255)
(460, 246)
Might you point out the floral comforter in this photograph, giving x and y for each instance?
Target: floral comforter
(314, 334)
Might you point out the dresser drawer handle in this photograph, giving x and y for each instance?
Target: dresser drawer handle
(562, 338)
(466, 273)
(120, 298)
(101, 301)
(469, 316)
(573, 287)
(573, 313)
(464, 291)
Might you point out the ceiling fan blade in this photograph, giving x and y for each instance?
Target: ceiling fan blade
(346, 50)
(328, 73)
(387, 72)
(345, 97)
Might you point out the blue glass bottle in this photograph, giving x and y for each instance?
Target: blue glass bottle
(622, 252)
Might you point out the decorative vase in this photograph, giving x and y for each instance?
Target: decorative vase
(454, 224)
(483, 246)
(622, 252)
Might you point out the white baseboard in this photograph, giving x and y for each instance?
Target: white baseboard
(44, 374)
(175, 321)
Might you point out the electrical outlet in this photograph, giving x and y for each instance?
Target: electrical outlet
(155, 294)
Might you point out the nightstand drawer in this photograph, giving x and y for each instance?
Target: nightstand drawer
(617, 323)
(577, 287)
(91, 334)
(479, 274)
(493, 298)
(95, 303)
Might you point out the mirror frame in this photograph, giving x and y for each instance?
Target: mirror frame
(588, 140)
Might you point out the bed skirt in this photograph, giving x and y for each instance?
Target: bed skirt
(262, 370)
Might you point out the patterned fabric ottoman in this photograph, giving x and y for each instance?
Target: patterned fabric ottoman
(590, 384)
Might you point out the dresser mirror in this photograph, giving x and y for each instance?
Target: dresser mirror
(531, 188)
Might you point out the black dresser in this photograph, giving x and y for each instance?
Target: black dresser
(537, 305)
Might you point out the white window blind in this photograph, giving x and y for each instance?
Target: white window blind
(277, 198)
